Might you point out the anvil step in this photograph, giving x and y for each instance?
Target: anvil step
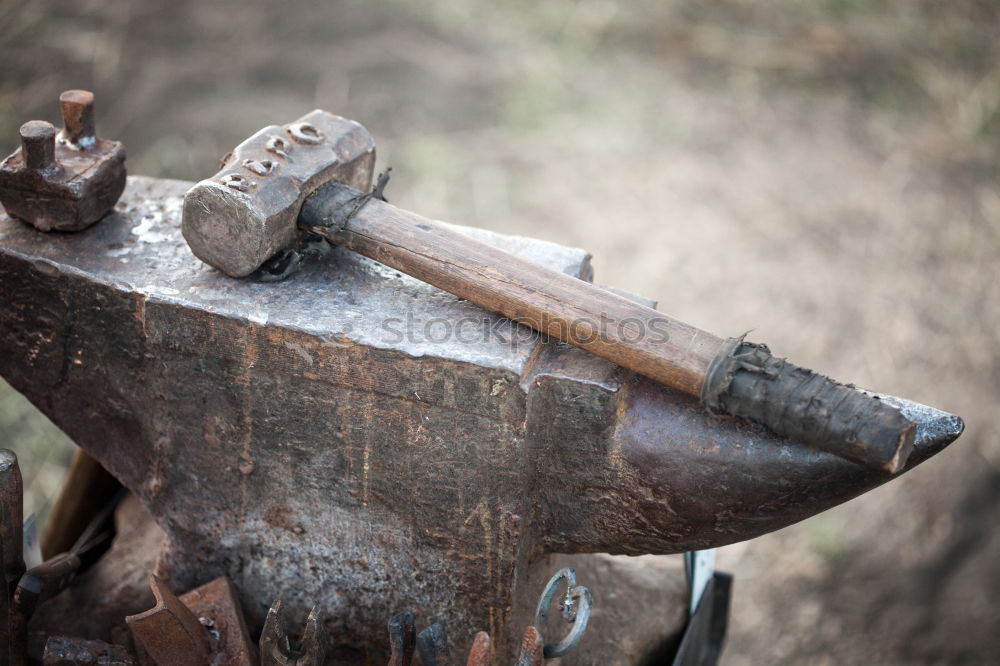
(356, 439)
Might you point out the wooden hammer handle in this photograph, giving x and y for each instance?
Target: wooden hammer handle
(554, 303)
(633, 336)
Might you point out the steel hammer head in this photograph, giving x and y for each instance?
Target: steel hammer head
(247, 212)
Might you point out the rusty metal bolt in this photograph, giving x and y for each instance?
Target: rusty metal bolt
(65, 181)
(78, 118)
(38, 144)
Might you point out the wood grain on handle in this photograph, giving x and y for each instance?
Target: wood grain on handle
(564, 307)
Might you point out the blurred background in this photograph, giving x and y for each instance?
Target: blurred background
(825, 173)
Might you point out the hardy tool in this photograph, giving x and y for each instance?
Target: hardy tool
(65, 180)
(313, 176)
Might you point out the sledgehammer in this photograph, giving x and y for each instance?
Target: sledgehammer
(315, 174)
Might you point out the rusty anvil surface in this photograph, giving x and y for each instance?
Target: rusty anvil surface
(315, 440)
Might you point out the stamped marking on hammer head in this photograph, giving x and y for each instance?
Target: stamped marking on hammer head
(247, 212)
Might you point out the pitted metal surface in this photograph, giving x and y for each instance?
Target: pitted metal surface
(345, 298)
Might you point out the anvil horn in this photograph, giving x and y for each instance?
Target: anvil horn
(359, 440)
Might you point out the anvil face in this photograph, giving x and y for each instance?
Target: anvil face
(356, 439)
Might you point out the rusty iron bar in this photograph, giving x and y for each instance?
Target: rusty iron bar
(5, 613)
(433, 647)
(11, 548)
(402, 638)
(11, 518)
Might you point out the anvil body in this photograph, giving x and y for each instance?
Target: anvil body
(358, 440)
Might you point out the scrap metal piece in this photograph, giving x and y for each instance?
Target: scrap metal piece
(479, 653)
(169, 633)
(116, 585)
(11, 518)
(41, 583)
(11, 551)
(705, 634)
(217, 607)
(574, 605)
(699, 567)
(275, 646)
(65, 182)
(402, 638)
(532, 648)
(433, 647)
(5, 614)
(37, 585)
(71, 651)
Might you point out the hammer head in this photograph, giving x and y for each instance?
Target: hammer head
(247, 212)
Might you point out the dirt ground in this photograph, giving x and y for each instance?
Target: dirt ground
(826, 174)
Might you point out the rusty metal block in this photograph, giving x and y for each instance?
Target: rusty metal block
(169, 633)
(63, 182)
(217, 607)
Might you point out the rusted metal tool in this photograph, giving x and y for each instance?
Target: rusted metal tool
(433, 646)
(11, 548)
(402, 638)
(37, 585)
(284, 180)
(169, 633)
(5, 616)
(274, 430)
(276, 648)
(203, 626)
(11, 518)
(65, 181)
(71, 651)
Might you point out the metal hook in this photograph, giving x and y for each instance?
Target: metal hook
(575, 607)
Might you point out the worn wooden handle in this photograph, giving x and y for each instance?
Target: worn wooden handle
(559, 305)
(627, 333)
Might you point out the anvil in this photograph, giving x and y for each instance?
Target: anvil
(358, 440)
